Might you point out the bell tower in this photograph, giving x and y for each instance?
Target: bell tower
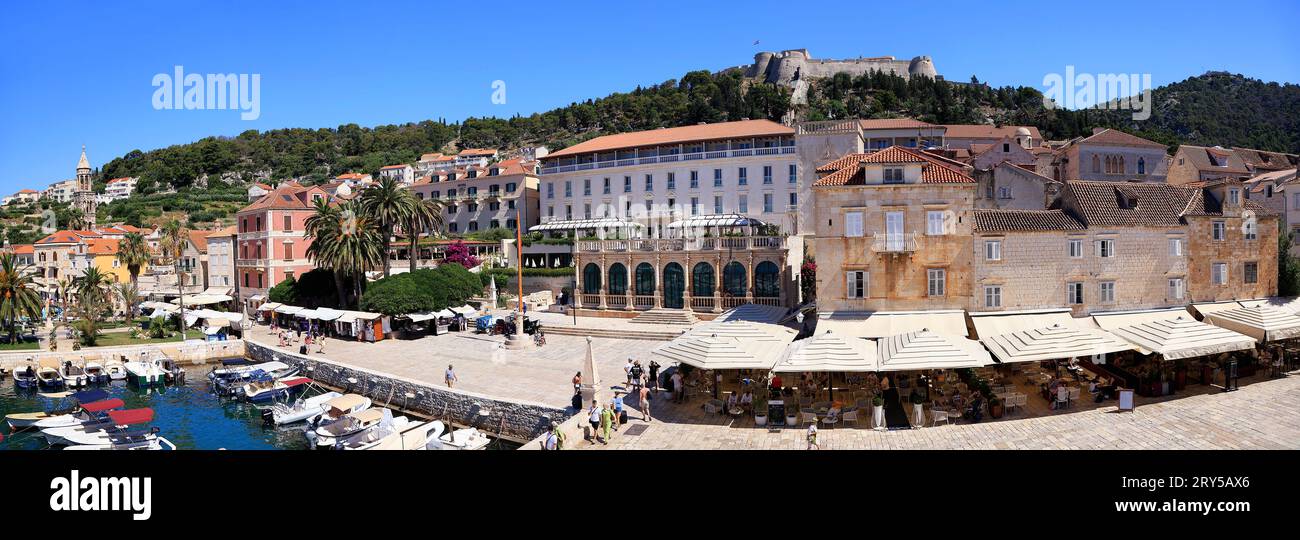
(84, 198)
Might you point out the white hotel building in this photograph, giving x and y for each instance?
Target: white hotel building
(673, 212)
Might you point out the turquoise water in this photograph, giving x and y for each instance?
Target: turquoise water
(189, 416)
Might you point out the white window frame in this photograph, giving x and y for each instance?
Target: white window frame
(1074, 291)
(1177, 288)
(1106, 248)
(1218, 230)
(992, 296)
(1175, 247)
(1219, 273)
(1106, 292)
(992, 250)
(852, 279)
(853, 225)
(936, 282)
(1075, 249)
(934, 225)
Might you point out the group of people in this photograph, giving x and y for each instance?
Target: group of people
(312, 336)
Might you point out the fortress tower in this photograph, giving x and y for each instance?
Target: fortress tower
(789, 66)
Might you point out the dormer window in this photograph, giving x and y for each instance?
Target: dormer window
(1234, 196)
(893, 175)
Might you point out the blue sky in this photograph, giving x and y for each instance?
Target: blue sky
(74, 73)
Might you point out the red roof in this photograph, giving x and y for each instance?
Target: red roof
(131, 416)
(24, 249)
(394, 167)
(104, 405)
(67, 237)
(101, 246)
(934, 169)
(678, 135)
(894, 123)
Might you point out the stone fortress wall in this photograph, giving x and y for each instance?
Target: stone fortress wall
(786, 67)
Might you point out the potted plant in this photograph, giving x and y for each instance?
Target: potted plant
(995, 407)
(760, 410)
(918, 409)
(878, 412)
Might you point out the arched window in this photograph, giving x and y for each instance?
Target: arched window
(734, 282)
(1119, 165)
(767, 280)
(591, 279)
(702, 280)
(645, 279)
(1142, 166)
(1096, 164)
(617, 279)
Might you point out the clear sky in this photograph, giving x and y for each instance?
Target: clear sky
(74, 73)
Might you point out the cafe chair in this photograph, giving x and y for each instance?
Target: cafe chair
(850, 416)
(937, 415)
(1062, 397)
(808, 417)
(1075, 392)
(713, 406)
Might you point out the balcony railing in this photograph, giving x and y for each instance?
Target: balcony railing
(651, 245)
(250, 262)
(667, 158)
(894, 243)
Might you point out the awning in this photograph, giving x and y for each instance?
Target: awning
(87, 396)
(350, 316)
(466, 310)
(995, 323)
(755, 313)
(1206, 308)
(707, 352)
(306, 314)
(446, 313)
(203, 299)
(829, 352)
(211, 330)
(98, 406)
(131, 416)
(1061, 340)
(1172, 333)
(269, 306)
(882, 324)
(421, 317)
(256, 298)
(346, 402)
(716, 220)
(1264, 323)
(1285, 303)
(926, 349)
(581, 224)
(327, 314)
(745, 330)
(288, 310)
(217, 291)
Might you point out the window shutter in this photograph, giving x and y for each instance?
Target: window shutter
(848, 285)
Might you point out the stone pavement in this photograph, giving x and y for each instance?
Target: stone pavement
(1263, 414)
(541, 375)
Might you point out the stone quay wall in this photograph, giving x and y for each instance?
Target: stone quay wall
(184, 353)
(510, 420)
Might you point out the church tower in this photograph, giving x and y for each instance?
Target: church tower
(84, 198)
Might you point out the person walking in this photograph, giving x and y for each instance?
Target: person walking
(593, 417)
(645, 403)
(654, 375)
(557, 435)
(679, 389)
(607, 420)
(637, 374)
(617, 405)
(627, 371)
(450, 376)
(321, 342)
(577, 382)
(812, 437)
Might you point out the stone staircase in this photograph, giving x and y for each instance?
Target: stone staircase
(666, 316)
(648, 335)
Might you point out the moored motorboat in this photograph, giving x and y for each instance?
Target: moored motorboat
(73, 375)
(25, 376)
(118, 425)
(116, 370)
(145, 372)
(93, 412)
(415, 435)
(327, 435)
(47, 375)
(464, 439)
(387, 428)
(229, 380)
(67, 405)
(95, 373)
(173, 371)
(302, 409)
(339, 407)
(268, 389)
(129, 443)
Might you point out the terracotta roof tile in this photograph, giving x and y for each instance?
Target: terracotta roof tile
(1115, 137)
(934, 169)
(1025, 220)
(984, 131)
(895, 123)
(677, 135)
(1199, 156)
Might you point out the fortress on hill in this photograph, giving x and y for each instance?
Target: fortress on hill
(786, 67)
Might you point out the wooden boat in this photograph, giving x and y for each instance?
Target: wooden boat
(66, 405)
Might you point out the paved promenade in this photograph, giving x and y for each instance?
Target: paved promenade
(1263, 414)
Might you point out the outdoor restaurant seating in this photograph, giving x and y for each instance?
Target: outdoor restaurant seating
(936, 415)
(850, 416)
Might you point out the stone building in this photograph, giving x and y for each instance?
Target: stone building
(893, 232)
(83, 198)
(792, 65)
(1193, 164)
(1263, 161)
(1278, 192)
(1111, 155)
(966, 136)
(1012, 187)
(1232, 243)
(480, 198)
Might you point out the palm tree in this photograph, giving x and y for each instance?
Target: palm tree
(346, 241)
(92, 288)
(63, 288)
(133, 252)
(18, 297)
(175, 237)
(426, 215)
(387, 204)
(129, 294)
(326, 215)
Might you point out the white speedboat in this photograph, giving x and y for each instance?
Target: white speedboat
(126, 443)
(464, 439)
(229, 380)
(146, 372)
(415, 435)
(47, 375)
(89, 413)
(286, 413)
(118, 425)
(339, 407)
(116, 370)
(73, 375)
(388, 426)
(68, 405)
(25, 376)
(95, 373)
(272, 389)
(327, 435)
